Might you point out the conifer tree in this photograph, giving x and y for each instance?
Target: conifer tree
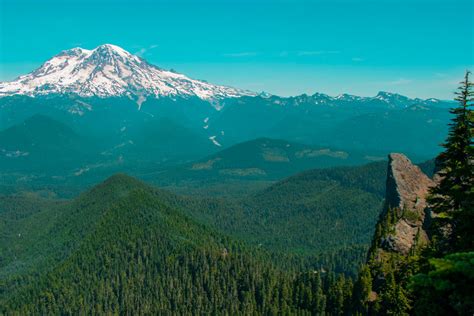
(453, 197)
(362, 290)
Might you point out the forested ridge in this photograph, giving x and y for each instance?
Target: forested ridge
(324, 213)
(101, 251)
(139, 255)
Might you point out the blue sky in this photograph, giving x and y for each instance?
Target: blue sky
(415, 47)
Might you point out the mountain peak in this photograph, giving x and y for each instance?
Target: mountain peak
(394, 99)
(111, 47)
(113, 50)
(386, 94)
(110, 71)
(101, 49)
(76, 51)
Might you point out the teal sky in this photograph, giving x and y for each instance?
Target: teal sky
(419, 48)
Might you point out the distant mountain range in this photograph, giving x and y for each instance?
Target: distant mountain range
(43, 150)
(105, 110)
(367, 125)
(111, 71)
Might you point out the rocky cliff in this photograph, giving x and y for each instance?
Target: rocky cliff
(407, 189)
(401, 228)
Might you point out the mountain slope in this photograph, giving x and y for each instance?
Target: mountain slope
(51, 229)
(292, 216)
(109, 70)
(42, 153)
(41, 143)
(166, 139)
(414, 130)
(318, 214)
(319, 204)
(133, 252)
(259, 159)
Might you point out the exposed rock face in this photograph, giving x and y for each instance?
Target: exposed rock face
(401, 227)
(407, 189)
(407, 185)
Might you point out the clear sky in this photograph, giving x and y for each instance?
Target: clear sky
(419, 48)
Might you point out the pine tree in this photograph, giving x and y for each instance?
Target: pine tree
(453, 198)
(393, 298)
(362, 291)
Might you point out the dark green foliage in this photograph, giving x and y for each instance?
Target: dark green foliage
(453, 197)
(54, 235)
(362, 291)
(339, 295)
(447, 276)
(267, 220)
(326, 215)
(123, 248)
(447, 288)
(393, 299)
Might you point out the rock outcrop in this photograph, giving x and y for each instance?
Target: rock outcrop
(401, 229)
(407, 185)
(407, 189)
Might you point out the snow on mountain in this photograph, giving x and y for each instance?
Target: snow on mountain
(382, 99)
(389, 97)
(109, 70)
(391, 100)
(348, 97)
(214, 141)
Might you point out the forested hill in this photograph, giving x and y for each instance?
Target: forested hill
(326, 216)
(126, 247)
(121, 248)
(262, 158)
(303, 207)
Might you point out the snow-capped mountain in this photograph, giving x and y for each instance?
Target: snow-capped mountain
(107, 71)
(384, 100)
